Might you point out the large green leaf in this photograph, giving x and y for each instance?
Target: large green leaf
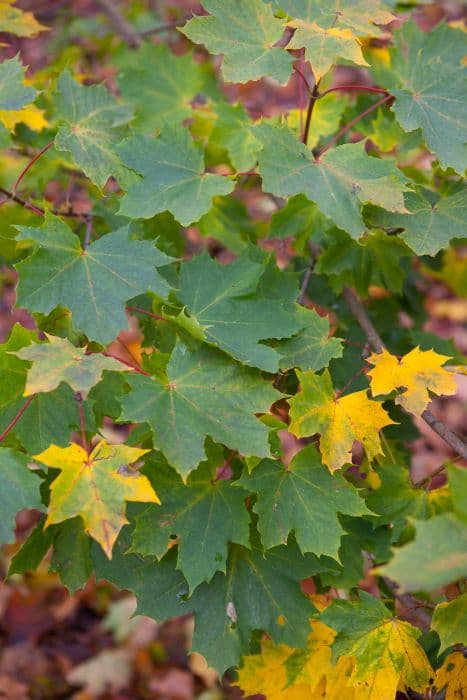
(429, 95)
(93, 284)
(245, 32)
(92, 126)
(14, 94)
(205, 394)
(234, 311)
(20, 489)
(260, 592)
(172, 177)
(305, 498)
(205, 513)
(159, 85)
(339, 182)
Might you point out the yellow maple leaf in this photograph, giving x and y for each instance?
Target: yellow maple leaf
(453, 676)
(15, 21)
(339, 421)
(32, 116)
(416, 374)
(95, 487)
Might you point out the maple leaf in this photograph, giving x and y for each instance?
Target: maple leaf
(452, 676)
(339, 421)
(234, 132)
(92, 126)
(430, 223)
(428, 93)
(304, 498)
(228, 221)
(450, 621)
(323, 47)
(205, 394)
(235, 309)
(60, 361)
(15, 21)
(20, 489)
(260, 591)
(417, 373)
(92, 283)
(387, 654)
(93, 487)
(311, 348)
(14, 94)
(172, 177)
(339, 182)
(205, 513)
(360, 16)
(172, 87)
(245, 32)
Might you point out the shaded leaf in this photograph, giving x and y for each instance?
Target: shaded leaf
(20, 489)
(450, 621)
(311, 348)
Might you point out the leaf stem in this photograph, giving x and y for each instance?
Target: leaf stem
(358, 310)
(128, 364)
(343, 88)
(79, 399)
(29, 166)
(135, 309)
(37, 210)
(13, 422)
(427, 479)
(350, 124)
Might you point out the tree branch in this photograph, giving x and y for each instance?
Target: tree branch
(121, 24)
(38, 210)
(358, 310)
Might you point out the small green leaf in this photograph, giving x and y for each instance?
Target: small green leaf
(14, 94)
(311, 348)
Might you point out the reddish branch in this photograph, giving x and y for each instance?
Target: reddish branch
(343, 88)
(135, 309)
(29, 165)
(356, 307)
(38, 210)
(13, 422)
(79, 399)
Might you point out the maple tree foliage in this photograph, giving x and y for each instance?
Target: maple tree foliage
(202, 508)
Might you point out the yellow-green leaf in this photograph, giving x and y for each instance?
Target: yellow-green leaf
(95, 487)
(453, 676)
(15, 21)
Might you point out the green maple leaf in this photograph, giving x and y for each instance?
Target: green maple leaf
(13, 371)
(206, 514)
(311, 348)
(233, 312)
(91, 128)
(360, 16)
(14, 94)
(450, 621)
(20, 489)
(430, 223)
(228, 222)
(60, 361)
(205, 394)
(305, 498)
(429, 95)
(71, 557)
(172, 177)
(171, 86)
(93, 284)
(339, 182)
(233, 131)
(260, 592)
(245, 32)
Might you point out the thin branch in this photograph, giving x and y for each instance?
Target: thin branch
(430, 477)
(364, 88)
(13, 422)
(128, 364)
(169, 26)
(408, 602)
(350, 124)
(304, 80)
(309, 114)
(29, 166)
(356, 307)
(38, 210)
(79, 399)
(121, 24)
(135, 309)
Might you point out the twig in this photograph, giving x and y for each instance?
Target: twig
(350, 124)
(408, 602)
(38, 210)
(365, 88)
(121, 24)
(169, 26)
(135, 309)
(128, 364)
(13, 422)
(427, 479)
(29, 165)
(356, 307)
(79, 399)
(304, 80)
(309, 114)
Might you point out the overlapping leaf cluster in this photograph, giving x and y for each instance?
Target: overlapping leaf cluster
(200, 510)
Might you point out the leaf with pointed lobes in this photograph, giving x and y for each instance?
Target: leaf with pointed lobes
(414, 375)
(339, 421)
(452, 676)
(450, 621)
(94, 487)
(60, 361)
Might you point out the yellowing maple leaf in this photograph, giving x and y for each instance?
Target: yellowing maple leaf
(453, 676)
(417, 373)
(94, 487)
(339, 421)
(32, 116)
(269, 673)
(15, 21)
